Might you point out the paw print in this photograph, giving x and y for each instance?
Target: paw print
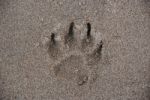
(75, 57)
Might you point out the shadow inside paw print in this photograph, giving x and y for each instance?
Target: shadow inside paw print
(76, 65)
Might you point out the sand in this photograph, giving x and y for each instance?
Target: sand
(31, 68)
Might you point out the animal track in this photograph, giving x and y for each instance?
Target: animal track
(75, 58)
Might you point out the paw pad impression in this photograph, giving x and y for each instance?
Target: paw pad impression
(74, 64)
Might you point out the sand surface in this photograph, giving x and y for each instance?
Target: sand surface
(32, 69)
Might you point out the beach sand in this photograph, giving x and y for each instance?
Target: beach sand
(31, 69)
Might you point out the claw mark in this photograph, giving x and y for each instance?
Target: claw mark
(99, 48)
(89, 37)
(54, 48)
(88, 30)
(69, 38)
(71, 32)
(87, 42)
(53, 38)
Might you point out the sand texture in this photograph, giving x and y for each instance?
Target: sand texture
(74, 49)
